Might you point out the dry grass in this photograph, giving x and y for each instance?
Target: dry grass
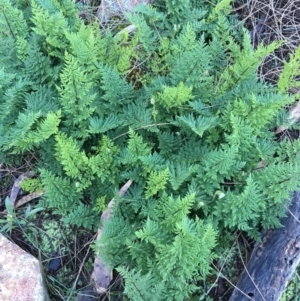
(271, 20)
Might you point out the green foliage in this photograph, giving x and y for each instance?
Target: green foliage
(141, 287)
(59, 250)
(60, 193)
(175, 106)
(11, 220)
(288, 77)
(100, 205)
(292, 290)
(82, 216)
(156, 181)
(174, 96)
(162, 248)
(32, 185)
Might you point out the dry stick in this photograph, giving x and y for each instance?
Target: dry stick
(227, 279)
(79, 272)
(221, 268)
(143, 127)
(102, 275)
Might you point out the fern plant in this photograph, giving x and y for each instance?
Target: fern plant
(176, 106)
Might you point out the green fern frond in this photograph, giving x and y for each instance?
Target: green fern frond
(287, 77)
(157, 180)
(175, 96)
(198, 125)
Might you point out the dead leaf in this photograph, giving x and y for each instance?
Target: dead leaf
(16, 187)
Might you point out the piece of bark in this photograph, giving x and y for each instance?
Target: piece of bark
(273, 261)
(102, 274)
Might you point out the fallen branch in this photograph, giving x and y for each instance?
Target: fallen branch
(102, 275)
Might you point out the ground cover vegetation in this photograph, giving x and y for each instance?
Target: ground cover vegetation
(176, 106)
